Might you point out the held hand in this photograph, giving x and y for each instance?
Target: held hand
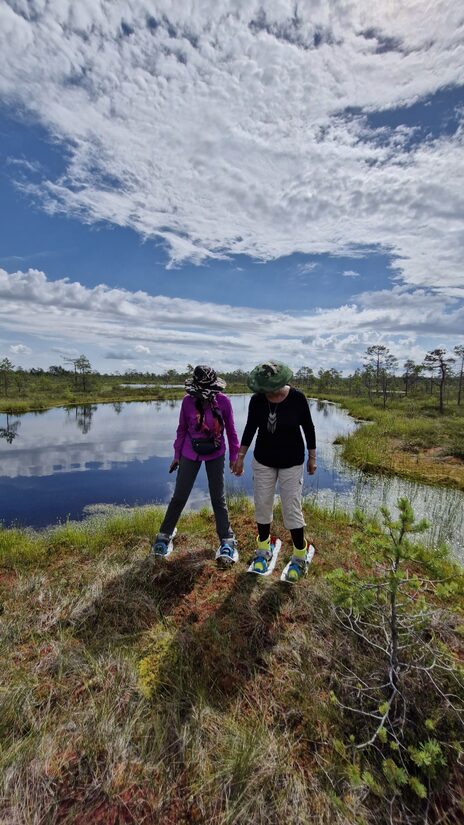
(311, 466)
(174, 465)
(238, 466)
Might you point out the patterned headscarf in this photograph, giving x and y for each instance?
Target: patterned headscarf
(204, 383)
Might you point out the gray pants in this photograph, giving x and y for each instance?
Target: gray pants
(186, 475)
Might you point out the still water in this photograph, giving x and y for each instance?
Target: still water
(55, 464)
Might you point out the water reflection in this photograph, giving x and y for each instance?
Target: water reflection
(79, 438)
(322, 406)
(10, 430)
(83, 416)
(125, 449)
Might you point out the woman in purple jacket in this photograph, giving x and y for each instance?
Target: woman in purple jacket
(204, 415)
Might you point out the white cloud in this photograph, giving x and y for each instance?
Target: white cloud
(224, 129)
(128, 355)
(303, 269)
(65, 352)
(119, 355)
(302, 274)
(20, 349)
(350, 273)
(32, 167)
(122, 325)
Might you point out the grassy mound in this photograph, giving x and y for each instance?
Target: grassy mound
(409, 438)
(142, 691)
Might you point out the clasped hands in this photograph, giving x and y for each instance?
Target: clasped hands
(236, 467)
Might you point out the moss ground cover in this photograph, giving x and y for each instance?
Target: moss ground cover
(409, 438)
(160, 691)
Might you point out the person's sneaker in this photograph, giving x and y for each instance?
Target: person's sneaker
(260, 564)
(296, 570)
(227, 552)
(297, 566)
(263, 555)
(161, 545)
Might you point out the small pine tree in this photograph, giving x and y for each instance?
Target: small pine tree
(397, 677)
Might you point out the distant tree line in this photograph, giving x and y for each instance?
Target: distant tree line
(380, 377)
(18, 381)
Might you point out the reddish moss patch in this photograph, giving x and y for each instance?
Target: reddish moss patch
(7, 577)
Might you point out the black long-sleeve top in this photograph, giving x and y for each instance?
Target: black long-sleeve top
(284, 447)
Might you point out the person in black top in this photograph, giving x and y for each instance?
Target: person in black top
(279, 413)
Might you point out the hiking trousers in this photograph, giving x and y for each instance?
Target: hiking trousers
(186, 475)
(290, 480)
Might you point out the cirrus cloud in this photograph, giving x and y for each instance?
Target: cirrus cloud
(243, 127)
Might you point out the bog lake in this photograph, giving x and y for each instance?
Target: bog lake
(64, 462)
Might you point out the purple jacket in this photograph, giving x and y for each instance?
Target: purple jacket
(188, 422)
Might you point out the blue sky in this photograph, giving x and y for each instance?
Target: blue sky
(228, 186)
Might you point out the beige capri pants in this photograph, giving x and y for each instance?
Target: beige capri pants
(290, 488)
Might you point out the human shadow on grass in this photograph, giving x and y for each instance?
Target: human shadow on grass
(137, 598)
(212, 659)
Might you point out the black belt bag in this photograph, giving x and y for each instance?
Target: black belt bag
(204, 446)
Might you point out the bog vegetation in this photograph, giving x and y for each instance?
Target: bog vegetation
(136, 690)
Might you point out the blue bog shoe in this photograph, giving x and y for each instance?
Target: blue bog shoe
(162, 545)
(296, 569)
(227, 552)
(263, 555)
(298, 564)
(160, 548)
(261, 561)
(265, 558)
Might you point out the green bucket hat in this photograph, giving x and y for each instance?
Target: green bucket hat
(269, 377)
